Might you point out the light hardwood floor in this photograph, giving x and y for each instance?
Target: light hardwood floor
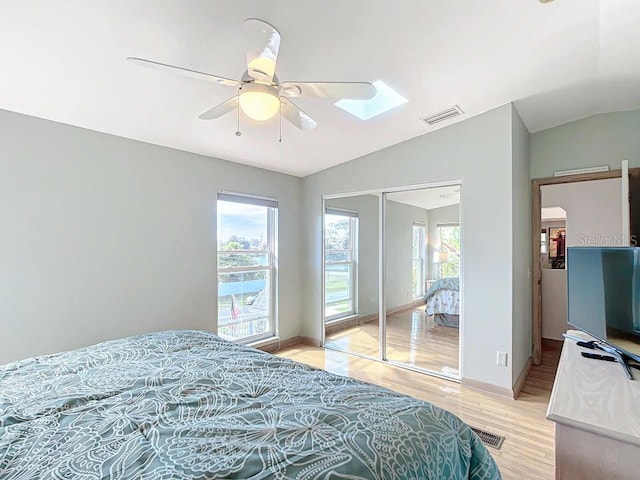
(412, 338)
(528, 451)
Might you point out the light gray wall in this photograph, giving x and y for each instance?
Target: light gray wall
(594, 211)
(603, 139)
(521, 238)
(399, 243)
(367, 208)
(478, 152)
(438, 216)
(104, 237)
(554, 303)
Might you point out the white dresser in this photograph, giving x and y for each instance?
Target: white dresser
(596, 409)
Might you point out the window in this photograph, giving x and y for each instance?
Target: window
(449, 253)
(246, 267)
(418, 270)
(340, 257)
(543, 242)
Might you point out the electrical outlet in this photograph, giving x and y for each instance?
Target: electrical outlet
(501, 359)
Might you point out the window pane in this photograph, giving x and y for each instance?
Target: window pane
(417, 277)
(242, 226)
(451, 268)
(245, 239)
(242, 259)
(418, 271)
(449, 238)
(339, 244)
(337, 232)
(244, 304)
(450, 243)
(336, 255)
(338, 289)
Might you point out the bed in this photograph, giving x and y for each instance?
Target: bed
(189, 405)
(443, 302)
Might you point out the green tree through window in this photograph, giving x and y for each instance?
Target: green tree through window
(449, 236)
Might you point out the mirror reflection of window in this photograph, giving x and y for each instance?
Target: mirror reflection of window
(340, 254)
(418, 278)
(449, 250)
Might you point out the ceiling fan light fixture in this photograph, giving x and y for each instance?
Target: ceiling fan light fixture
(259, 102)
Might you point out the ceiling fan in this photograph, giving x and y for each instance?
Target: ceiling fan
(260, 94)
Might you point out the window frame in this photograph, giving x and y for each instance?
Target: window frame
(271, 267)
(351, 261)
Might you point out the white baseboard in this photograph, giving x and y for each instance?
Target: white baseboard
(277, 344)
(517, 386)
(314, 342)
(487, 387)
(513, 392)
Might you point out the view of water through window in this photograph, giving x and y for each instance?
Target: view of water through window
(245, 270)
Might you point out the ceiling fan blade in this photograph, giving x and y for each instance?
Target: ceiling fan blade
(184, 72)
(335, 90)
(263, 43)
(220, 110)
(296, 116)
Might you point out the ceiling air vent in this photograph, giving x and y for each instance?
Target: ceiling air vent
(443, 116)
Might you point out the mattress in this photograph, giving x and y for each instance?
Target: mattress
(189, 405)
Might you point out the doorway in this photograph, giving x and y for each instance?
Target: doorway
(579, 235)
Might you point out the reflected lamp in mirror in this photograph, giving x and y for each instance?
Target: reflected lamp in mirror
(440, 257)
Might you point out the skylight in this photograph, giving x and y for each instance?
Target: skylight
(386, 98)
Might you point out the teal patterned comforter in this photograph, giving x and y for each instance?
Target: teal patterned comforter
(447, 283)
(189, 405)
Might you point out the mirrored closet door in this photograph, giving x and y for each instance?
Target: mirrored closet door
(422, 278)
(351, 274)
(421, 265)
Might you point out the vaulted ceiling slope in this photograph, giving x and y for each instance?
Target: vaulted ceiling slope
(65, 61)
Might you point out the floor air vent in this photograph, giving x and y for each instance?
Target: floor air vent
(490, 439)
(444, 115)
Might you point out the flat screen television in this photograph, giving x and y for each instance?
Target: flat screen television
(603, 287)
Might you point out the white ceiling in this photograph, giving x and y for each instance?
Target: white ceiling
(428, 198)
(64, 60)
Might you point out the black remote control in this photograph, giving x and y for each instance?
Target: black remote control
(597, 356)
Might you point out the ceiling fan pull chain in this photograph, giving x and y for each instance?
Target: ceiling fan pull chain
(238, 132)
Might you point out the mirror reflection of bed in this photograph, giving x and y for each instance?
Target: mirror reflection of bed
(422, 238)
